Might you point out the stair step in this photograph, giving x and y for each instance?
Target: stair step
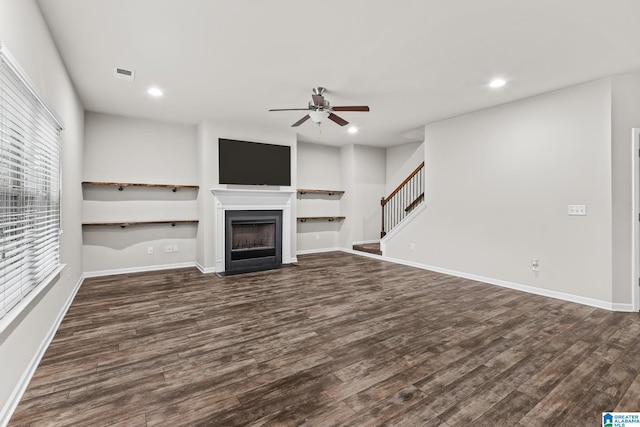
(372, 248)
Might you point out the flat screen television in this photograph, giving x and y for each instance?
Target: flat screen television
(253, 163)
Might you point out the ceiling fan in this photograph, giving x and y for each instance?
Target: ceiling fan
(320, 109)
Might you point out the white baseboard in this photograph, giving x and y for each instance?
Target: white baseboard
(204, 270)
(517, 286)
(318, 251)
(622, 307)
(7, 410)
(349, 251)
(113, 272)
(367, 242)
(10, 406)
(365, 254)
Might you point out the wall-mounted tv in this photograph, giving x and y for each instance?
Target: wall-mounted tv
(253, 163)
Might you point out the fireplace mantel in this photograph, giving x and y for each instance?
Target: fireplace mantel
(249, 199)
(243, 197)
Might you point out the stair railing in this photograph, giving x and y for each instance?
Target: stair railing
(397, 205)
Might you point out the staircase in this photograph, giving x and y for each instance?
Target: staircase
(397, 206)
(404, 199)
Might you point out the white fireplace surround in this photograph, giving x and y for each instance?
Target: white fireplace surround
(250, 200)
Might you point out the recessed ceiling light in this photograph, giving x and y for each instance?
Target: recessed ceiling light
(353, 129)
(496, 83)
(154, 91)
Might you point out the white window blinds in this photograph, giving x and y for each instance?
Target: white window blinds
(29, 187)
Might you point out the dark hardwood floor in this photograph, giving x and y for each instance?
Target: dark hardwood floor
(337, 340)
(372, 248)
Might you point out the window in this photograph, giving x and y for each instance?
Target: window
(29, 189)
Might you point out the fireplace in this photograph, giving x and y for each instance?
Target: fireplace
(249, 200)
(253, 240)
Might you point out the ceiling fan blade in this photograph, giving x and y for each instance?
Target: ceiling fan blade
(338, 120)
(289, 109)
(351, 108)
(301, 121)
(318, 100)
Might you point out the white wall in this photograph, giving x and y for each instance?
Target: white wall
(401, 161)
(129, 150)
(363, 174)
(347, 201)
(318, 168)
(23, 31)
(209, 131)
(498, 183)
(369, 188)
(625, 109)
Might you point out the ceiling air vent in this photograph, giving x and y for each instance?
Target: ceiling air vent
(123, 74)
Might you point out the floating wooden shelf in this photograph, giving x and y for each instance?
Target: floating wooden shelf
(320, 218)
(130, 223)
(122, 185)
(328, 192)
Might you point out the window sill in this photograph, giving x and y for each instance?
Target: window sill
(15, 312)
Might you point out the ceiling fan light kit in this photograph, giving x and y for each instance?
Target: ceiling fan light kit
(319, 116)
(320, 109)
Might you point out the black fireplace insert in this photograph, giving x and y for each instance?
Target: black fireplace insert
(253, 240)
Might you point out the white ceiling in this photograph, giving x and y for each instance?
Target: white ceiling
(412, 61)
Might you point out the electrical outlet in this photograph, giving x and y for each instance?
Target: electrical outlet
(412, 246)
(175, 248)
(535, 265)
(577, 210)
(149, 250)
(317, 237)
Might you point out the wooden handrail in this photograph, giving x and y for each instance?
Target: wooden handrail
(385, 200)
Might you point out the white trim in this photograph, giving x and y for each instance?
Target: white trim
(503, 283)
(402, 224)
(12, 403)
(102, 273)
(366, 242)
(243, 199)
(635, 219)
(318, 251)
(24, 303)
(519, 287)
(349, 251)
(364, 254)
(204, 270)
(622, 307)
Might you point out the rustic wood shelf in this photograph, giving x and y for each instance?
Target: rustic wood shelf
(122, 185)
(328, 192)
(130, 223)
(320, 218)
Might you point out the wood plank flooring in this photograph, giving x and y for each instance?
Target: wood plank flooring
(338, 340)
(372, 248)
